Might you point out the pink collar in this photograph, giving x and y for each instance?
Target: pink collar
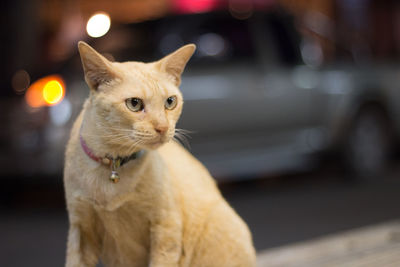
(88, 151)
(107, 160)
(113, 163)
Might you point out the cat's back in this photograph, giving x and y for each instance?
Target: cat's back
(213, 234)
(176, 155)
(186, 170)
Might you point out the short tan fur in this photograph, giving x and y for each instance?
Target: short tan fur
(166, 209)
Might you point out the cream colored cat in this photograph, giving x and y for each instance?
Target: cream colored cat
(135, 197)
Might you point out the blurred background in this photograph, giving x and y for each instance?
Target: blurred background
(293, 105)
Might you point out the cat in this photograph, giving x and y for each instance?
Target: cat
(135, 197)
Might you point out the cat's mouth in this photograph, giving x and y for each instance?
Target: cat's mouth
(150, 141)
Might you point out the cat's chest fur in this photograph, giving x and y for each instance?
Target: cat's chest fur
(116, 225)
(102, 194)
(118, 210)
(91, 182)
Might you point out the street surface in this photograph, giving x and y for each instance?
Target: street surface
(370, 246)
(294, 208)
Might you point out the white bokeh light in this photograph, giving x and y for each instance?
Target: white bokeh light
(98, 25)
(61, 113)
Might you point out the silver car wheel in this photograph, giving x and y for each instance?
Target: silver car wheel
(368, 144)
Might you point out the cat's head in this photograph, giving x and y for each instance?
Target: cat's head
(133, 105)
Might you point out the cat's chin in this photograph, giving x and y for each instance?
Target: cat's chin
(156, 144)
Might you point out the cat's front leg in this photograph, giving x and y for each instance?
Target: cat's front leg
(166, 242)
(81, 252)
(83, 245)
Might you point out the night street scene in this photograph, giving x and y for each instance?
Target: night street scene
(293, 106)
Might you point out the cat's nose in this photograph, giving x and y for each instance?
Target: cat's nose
(161, 129)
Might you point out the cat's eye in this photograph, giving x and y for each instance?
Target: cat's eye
(171, 102)
(134, 104)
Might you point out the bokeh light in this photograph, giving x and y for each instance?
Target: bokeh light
(20, 81)
(241, 9)
(211, 44)
(195, 6)
(47, 91)
(98, 25)
(53, 92)
(60, 114)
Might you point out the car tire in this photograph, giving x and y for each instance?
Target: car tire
(368, 144)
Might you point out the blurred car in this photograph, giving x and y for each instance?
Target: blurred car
(255, 103)
(255, 107)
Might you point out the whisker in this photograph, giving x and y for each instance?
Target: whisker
(183, 131)
(182, 137)
(142, 137)
(183, 142)
(114, 128)
(134, 146)
(142, 134)
(105, 135)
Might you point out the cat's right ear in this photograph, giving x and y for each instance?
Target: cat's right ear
(174, 63)
(97, 69)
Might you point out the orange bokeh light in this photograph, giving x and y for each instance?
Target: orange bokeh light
(47, 91)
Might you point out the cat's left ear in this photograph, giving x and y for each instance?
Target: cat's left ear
(175, 63)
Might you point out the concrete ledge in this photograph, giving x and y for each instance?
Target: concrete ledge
(370, 246)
